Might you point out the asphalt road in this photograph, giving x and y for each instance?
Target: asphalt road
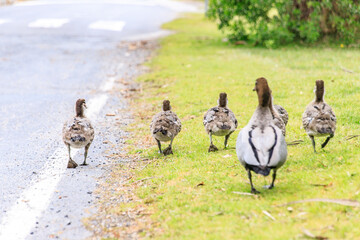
(52, 53)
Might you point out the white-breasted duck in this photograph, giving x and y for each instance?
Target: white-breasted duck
(319, 120)
(78, 132)
(220, 121)
(165, 126)
(261, 146)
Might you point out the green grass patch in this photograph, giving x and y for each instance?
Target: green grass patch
(192, 67)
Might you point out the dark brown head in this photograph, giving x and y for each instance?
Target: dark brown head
(319, 91)
(222, 100)
(79, 107)
(166, 105)
(263, 92)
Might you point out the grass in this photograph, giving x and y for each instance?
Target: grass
(191, 192)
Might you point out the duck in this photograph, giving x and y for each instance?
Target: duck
(282, 113)
(319, 119)
(280, 116)
(78, 132)
(220, 121)
(165, 126)
(261, 146)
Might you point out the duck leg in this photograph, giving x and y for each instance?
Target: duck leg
(71, 163)
(253, 190)
(313, 142)
(271, 186)
(327, 140)
(168, 150)
(226, 140)
(85, 155)
(159, 145)
(212, 147)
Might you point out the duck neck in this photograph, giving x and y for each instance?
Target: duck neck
(319, 95)
(320, 90)
(79, 111)
(264, 97)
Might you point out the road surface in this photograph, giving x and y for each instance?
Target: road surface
(52, 53)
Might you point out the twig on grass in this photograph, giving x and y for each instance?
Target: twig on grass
(351, 137)
(347, 70)
(307, 233)
(244, 193)
(296, 142)
(144, 179)
(344, 202)
(147, 165)
(269, 215)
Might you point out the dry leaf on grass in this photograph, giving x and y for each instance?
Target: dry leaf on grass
(200, 184)
(321, 185)
(308, 234)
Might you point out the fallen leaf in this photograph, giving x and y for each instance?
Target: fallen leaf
(110, 115)
(200, 184)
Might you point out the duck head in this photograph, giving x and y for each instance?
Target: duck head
(263, 91)
(80, 107)
(166, 105)
(319, 91)
(222, 100)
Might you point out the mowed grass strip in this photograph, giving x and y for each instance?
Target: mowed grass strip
(192, 192)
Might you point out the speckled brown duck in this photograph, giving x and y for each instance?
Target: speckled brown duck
(319, 119)
(165, 126)
(280, 115)
(220, 121)
(78, 132)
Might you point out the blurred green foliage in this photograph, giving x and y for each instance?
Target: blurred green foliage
(272, 23)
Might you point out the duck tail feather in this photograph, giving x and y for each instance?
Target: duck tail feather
(265, 171)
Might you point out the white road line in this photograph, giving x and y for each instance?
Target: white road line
(22, 216)
(2, 21)
(108, 25)
(48, 23)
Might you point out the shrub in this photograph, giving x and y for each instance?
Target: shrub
(278, 22)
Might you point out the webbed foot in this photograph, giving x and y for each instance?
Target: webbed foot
(167, 151)
(72, 164)
(213, 148)
(254, 191)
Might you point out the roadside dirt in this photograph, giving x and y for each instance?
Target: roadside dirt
(116, 186)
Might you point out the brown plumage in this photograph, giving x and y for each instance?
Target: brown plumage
(282, 113)
(78, 132)
(319, 119)
(220, 121)
(165, 126)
